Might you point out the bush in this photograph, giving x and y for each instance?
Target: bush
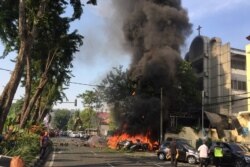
(23, 144)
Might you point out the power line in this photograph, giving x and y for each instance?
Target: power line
(77, 83)
(227, 101)
(231, 95)
(3, 69)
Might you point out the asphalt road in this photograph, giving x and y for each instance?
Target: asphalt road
(75, 155)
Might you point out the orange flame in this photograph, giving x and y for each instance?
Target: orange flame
(113, 140)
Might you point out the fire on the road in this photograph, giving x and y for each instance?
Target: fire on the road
(113, 140)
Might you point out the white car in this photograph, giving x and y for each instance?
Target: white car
(73, 134)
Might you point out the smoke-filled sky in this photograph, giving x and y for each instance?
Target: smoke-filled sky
(105, 46)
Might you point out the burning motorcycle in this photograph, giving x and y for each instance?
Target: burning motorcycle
(139, 146)
(125, 144)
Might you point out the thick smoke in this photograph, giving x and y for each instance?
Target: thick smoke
(154, 31)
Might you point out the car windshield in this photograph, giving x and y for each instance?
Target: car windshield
(237, 147)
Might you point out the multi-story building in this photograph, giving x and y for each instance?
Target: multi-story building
(222, 75)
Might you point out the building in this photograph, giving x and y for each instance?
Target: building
(222, 77)
(104, 118)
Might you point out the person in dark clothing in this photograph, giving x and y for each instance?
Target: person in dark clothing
(44, 142)
(218, 154)
(173, 152)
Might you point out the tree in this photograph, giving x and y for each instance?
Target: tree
(61, 118)
(17, 34)
(117, 91)
(75, 121)
(89, 118)
(91, 99)
(116, 86)
(25, 24)
(52, 93)
(134, 104)
(187, 96)
(53, 54)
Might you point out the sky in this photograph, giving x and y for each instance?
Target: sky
(103, 40)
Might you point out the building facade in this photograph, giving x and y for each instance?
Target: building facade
(223, 74)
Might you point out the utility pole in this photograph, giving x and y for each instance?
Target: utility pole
(202, 114)
(161, 120)
(248, 69)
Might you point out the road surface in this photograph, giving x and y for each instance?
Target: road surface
(75, 155)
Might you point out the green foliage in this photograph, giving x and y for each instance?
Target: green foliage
(8, 25)
(16, 107)
(91, 99)
(186, 97)
(116, 86)
(117, 90)
(61, 118)
(53, 45)
(89, 118)
(70, 125)
(23, 143)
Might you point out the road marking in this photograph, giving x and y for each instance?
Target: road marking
(53, 158)
(93, 153)
(157, 165)
(110, 165)
(127, 154)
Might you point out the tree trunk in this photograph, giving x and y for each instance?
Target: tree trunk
(27, 86)
(36, 112)
(39, 90)
(26, 42)
(33, 100)
(43, 112)
(9, 91)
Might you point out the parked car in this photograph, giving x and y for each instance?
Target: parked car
(234, 154)
(186, 152)
(73, 134)
(178, 139)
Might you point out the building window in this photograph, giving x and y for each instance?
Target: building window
(239, 65)
(238, 85)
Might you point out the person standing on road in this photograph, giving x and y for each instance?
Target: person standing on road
(203, 154)
(173, 152)
(44, 142)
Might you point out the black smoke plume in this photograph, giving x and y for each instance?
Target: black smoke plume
(154, 31)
